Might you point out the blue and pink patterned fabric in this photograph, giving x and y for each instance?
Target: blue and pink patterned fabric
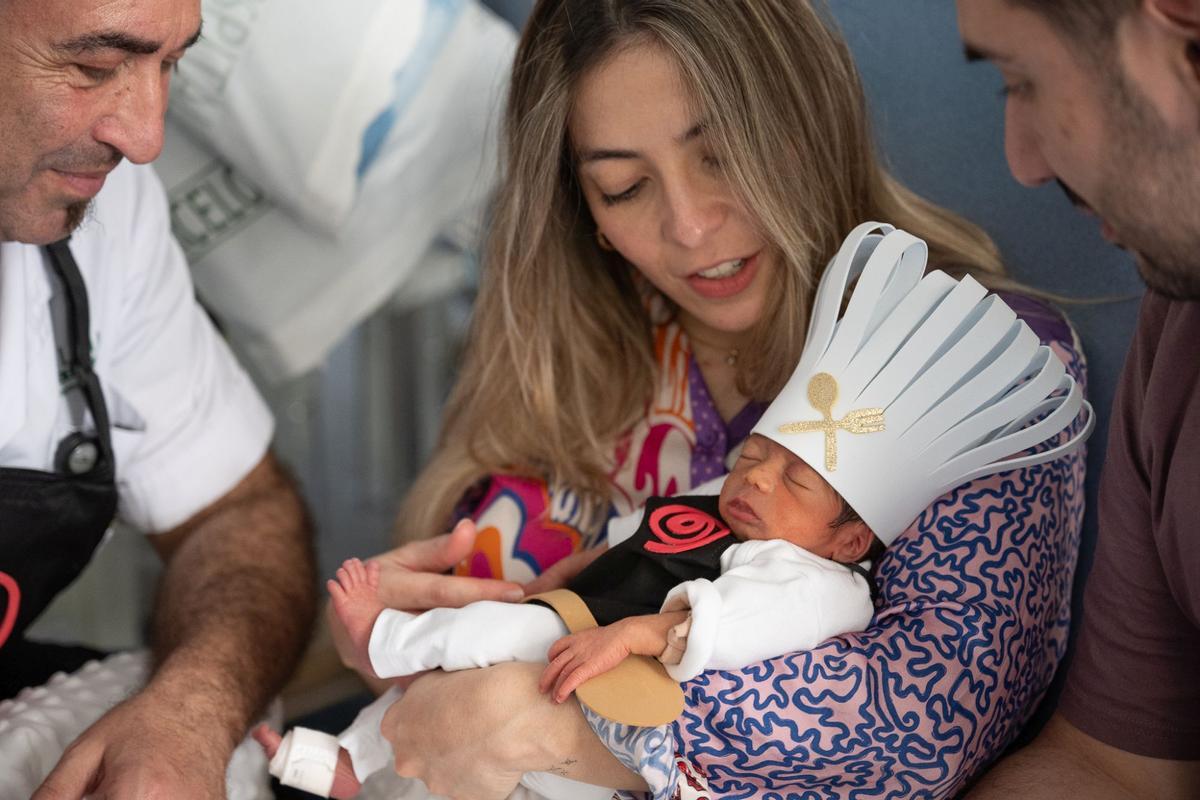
(970, 624)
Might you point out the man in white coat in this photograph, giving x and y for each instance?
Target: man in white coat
(119, 400)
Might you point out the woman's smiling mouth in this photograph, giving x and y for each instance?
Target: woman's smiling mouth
(726, 278)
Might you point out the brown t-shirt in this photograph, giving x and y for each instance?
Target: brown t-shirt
(1135, 679)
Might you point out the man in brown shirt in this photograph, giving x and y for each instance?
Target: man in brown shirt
(1104, 97)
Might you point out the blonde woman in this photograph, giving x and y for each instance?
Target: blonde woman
(676, 175)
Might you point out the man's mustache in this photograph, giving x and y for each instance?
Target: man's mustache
(95, 158)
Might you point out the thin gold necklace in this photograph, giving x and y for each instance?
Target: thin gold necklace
(731, 353)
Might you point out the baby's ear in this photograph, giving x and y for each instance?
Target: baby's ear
(853, 542)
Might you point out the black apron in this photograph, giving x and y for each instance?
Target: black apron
(52, 522)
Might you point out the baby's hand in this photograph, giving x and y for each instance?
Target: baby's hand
(582, 656)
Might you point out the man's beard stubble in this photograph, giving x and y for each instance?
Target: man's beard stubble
(76, 214)
(1150, 194)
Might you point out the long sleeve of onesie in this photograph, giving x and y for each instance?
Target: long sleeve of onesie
(771, 598)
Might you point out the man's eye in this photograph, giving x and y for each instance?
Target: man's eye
(95, 74)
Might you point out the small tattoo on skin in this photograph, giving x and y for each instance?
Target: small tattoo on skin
(562, 770)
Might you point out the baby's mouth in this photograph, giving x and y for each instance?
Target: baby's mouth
(743, 510)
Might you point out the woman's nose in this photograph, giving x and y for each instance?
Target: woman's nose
(695, 209)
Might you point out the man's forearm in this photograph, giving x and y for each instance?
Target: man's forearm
(236, 602)
(1044, 771)
(1065, 762)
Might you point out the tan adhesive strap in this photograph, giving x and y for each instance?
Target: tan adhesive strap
(638, 691)
(569, 606)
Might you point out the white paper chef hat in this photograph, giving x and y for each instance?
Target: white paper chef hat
(925, 383)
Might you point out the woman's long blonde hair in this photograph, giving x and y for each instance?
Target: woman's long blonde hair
(559, 361)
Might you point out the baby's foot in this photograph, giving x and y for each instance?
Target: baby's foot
(345, 782)
(356, 602)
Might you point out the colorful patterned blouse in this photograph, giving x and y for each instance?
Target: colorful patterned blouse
(970, 624)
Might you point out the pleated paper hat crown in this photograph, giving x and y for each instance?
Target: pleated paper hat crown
(925, 383)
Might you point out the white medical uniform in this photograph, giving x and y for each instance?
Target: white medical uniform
(187, 422)
(187, 426)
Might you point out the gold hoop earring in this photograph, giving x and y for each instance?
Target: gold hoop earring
(603, 241)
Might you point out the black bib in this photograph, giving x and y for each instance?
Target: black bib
(680, 539)
(52, 522)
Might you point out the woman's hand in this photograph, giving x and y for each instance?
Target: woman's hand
(412, 579)
(560, 573)
(412, 576)
(470, 735)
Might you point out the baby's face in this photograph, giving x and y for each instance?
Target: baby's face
(772, 494)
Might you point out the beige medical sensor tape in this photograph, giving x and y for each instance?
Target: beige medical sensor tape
(638, 691)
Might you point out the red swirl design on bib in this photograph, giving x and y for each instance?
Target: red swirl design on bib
(14, 602)
(680, 528)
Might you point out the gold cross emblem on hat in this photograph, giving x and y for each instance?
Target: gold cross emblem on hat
(823, 393)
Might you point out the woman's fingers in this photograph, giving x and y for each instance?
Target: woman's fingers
(560, 573)
(411, 576)
(437, 554)
(418, 591)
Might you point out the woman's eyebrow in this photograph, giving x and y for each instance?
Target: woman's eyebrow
(693, 132)
(587, 156)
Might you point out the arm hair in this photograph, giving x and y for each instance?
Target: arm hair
(235, 603)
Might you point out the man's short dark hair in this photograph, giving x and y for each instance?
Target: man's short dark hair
(1086, 22)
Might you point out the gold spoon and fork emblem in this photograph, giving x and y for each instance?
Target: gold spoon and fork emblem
(823, 393)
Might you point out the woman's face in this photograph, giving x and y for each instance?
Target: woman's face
(659, 196)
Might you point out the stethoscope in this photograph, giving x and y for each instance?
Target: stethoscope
(78, 453)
